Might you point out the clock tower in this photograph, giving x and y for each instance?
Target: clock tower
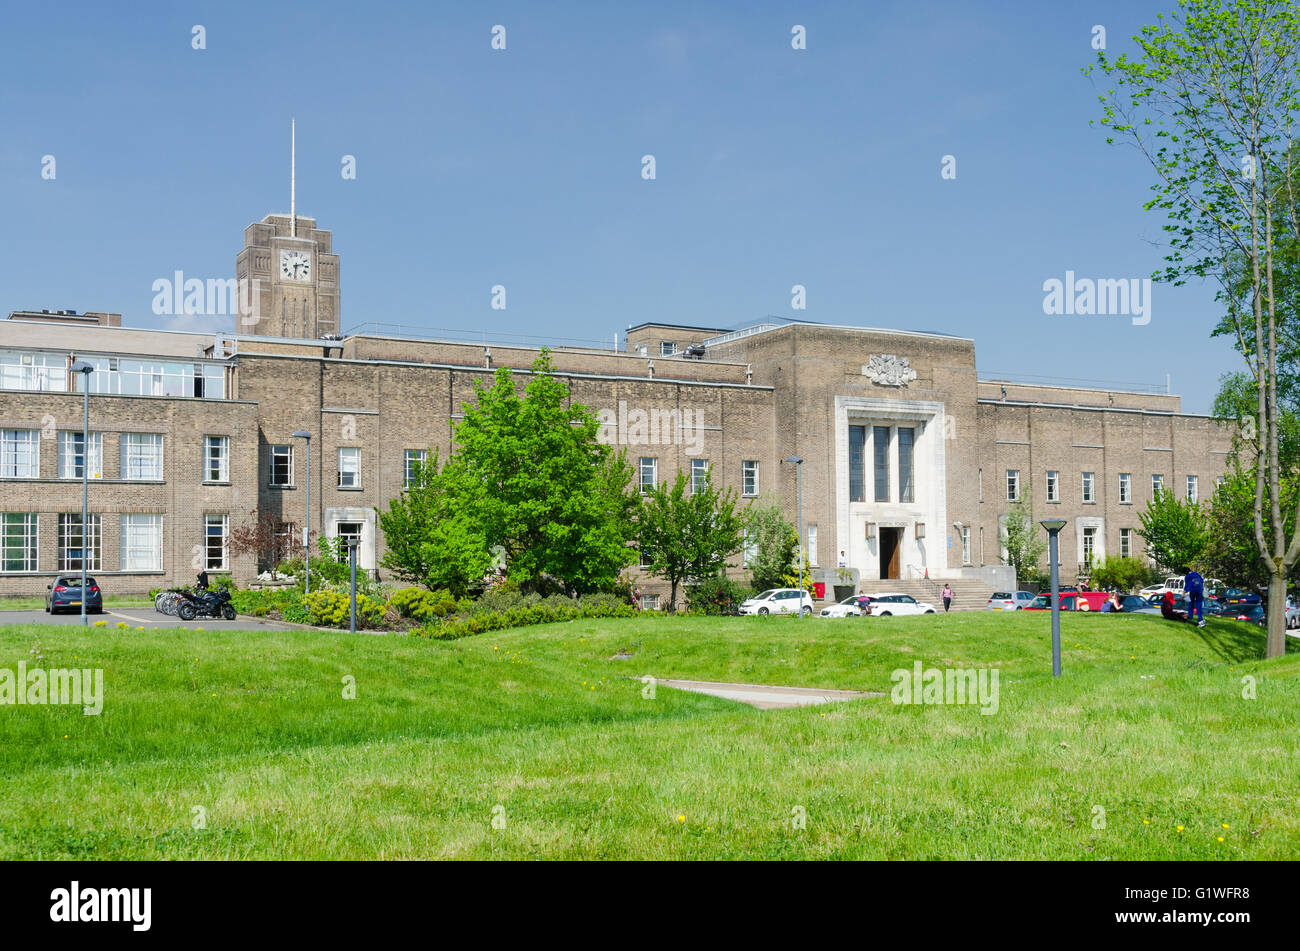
(293, 272)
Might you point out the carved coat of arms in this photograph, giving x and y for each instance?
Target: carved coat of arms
(888, 370)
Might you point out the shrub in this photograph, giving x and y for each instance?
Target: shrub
(333, 608)
(547, 611)
(716, 595)
(422, 605)
(296, 614)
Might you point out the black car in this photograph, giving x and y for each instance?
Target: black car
(1251, 613)
(1132, 602)
(64, 594)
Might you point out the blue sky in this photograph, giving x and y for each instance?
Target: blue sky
(522, 167)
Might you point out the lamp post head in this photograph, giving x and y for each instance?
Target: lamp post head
(797, 460)
(302, 434)
(1053, 525)
(82, 366)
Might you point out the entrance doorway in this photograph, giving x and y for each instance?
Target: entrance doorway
(890, 542)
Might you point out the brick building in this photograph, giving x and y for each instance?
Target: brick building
(910, 460)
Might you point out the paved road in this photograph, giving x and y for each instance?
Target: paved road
(146, 617)
(766, 697)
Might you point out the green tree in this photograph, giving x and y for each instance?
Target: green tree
(1175, 532)
(1211, 102)
(688, 535)
(771, 542)
(1120, 573)
(1231, 552)
(431, 540)
(1023, 540)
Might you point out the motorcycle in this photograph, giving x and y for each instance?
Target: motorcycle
(188, 605)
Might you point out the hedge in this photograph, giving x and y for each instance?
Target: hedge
(485, 621)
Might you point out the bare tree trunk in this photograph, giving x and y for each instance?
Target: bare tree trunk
(1276, 616)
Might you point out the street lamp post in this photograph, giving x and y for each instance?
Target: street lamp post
(798, 468)
(85, 369)
(306, 532)
(1054, 526)
(352, 566)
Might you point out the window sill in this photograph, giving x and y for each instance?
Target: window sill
(1086, 502)
(216, 482)
(349, 488)
(287, 487)
(1051, 501)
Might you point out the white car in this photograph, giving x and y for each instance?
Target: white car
(779, 601)
(889, 603)
(849, 607)
(1010, 600)
(1174, 583)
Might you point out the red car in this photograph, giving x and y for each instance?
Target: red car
(1071, 601)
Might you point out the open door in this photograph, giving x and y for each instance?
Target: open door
(890, 542)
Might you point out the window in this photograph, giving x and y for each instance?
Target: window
(1053, 485)
(414, 459)
(73, 545)
(33, 371)
(20, 456)
(1087, 487)
(857, 463)
(215, 529)
(965, 544)
(812, 545)
(350, 468)
(142, 543)
(667, 348)
(216, 458)
(649, 473)
(1126, 487)
(344, 531)
(880, 448)
(906, 444)
(699, 475)
(645, 557)
(649, 602)
(142, 456)
(17, 542)
(980, 481)
(117, 376)
(1126, 542)
(1013, 485)
(1089, 541)
(1192, 489)
(749, 477)
(1157, 484)
(281, 465)
(72, 456)
(748, 548)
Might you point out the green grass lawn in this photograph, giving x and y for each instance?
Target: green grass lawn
(37, 603)
(539, 730)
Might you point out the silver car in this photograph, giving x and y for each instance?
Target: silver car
(1010, 600)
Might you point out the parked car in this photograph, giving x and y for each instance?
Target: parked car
(1071, 601)
(1009, 600)
(1292, 614)
(64, 594)
(1132, 602)
(779, 601)
(890, 603)
(855, 605)
(1238, 596)
(1251, 613)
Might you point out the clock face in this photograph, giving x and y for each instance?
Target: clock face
(295, 265)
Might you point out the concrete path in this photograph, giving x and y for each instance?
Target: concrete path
(147, 618)
(766, 697)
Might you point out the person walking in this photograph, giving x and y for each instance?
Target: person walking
(946, 593)
(1194, 586)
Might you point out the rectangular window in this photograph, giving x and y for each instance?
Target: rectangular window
(20, 453)
(1126, 487)
(17, 542)
(350, 468)
(142, 456)
(281, 465)
(644, 557)
(216, 458)
(880, 450)
(699, 475)
(1157, 484)
(965, 545)
(812, 546)
(748, 548)
(1193, 489)
(1013, 485)
(1053, 485)
(72, 456)
(906, 449)
(649, 473)
(33, 371)
(344, 531)
(414, 459)
(142, 543)
(857, 463)
(749, 477)
(1089, 541)
(667, 348)
(1087, 487)
(74, 545)
(215, 528)
(649, 602)
(1126, 542)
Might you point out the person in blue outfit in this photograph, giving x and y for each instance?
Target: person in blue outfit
(1194, 586)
